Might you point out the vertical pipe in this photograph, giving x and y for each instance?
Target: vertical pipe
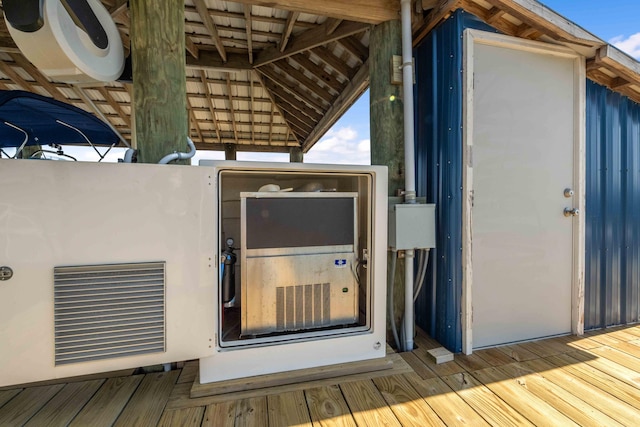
(409, 163)
(408, 299)
(407, 92)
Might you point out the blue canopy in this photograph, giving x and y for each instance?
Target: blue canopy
(47, 122)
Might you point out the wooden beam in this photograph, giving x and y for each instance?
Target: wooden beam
(317, 70)
(369, 11)
(283, 147)
(208, 60)
(309, 83)
(549, 22)
(353, 90)
(194, 120)
(620, 63)
(332, 61)
(274, 105)
(437, 14)
(201, 6)
(288, 27)
(118, 7)
(42, 80)
(7, 45)
(332, 24)
(304, 114)
(251, 103)
(191, 46)
(232, 109)
(494, 14)
(249, 29)
(114, 105)
(16, 78)
(292, 88)
(310, 39)
(355, 48)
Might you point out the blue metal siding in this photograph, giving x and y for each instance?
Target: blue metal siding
(612, 282)
(439, 172)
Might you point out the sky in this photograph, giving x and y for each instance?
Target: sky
(348, 141)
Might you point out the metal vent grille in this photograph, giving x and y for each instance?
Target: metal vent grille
(303, 306)
(107, 311)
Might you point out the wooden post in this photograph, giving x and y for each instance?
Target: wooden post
(387, 131)
(230, 152)
(386, 109)
(296, 155)
(159, 81)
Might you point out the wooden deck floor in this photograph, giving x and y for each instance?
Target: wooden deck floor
(590, 381)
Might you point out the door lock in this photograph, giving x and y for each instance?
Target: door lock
(6, 273)
(571, 212)
(568, 193)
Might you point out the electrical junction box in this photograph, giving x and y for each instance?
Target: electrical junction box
(412, 226)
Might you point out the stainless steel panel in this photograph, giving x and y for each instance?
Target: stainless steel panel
(292, 293)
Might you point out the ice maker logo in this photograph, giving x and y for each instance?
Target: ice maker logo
(340, 263)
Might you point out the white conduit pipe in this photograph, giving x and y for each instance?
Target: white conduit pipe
(409, 162)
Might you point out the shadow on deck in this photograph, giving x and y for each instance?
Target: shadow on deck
(589, 380)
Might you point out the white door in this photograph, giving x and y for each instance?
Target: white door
(523, 139)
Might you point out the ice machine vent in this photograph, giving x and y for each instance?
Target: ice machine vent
(107, 311)
(303, 306)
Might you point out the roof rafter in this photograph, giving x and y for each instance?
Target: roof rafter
(310, 39)
(288, 28)
(292, 88)
(201, 6)
(249, 29)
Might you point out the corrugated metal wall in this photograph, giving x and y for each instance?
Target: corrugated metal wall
(613, 190)
(439, 172)
(612, 293)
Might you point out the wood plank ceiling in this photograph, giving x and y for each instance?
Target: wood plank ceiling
(268, 75)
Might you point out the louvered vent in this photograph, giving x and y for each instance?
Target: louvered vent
(303, 306)
(107, 311)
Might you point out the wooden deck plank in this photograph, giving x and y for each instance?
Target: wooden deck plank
(623, 391)
(604, 402)
(471, 362)
(251, 412)
(328, 408)
(634, 330)
(548, 347)
(7, 395)
(417, 365)
(65, 405)
(450, 407)
(564, 401)
(519, 398)
(367, 404)
(493, 356)
(518, 352)
(618, 357)
(288, 409)
(220, 415)
(188, 417)
(180, 397)
(108, 402)
(622, 373)
(24, 405)
(301, 376)
(491, 407)
(580, 342)
(407, 405)
(149, 399)
(189, 372)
